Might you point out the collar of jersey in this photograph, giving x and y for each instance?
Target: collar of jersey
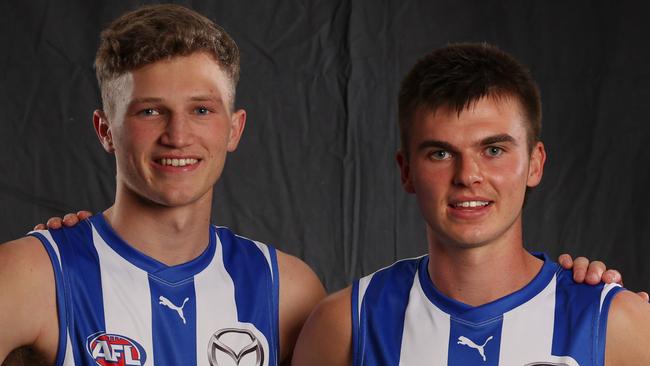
(170, 274)
(491, 310)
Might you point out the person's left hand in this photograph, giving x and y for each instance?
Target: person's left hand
(68, 220)
(594, 272)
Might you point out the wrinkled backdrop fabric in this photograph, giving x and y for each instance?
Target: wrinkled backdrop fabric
(315, 173)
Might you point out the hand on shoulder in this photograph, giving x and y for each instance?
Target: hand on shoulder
(68, 220)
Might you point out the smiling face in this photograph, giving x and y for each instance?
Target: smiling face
(469, 171)
(170, 129)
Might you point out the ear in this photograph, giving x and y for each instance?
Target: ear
(237, 123)
(405, 171)
(536, 165)
(103, 130)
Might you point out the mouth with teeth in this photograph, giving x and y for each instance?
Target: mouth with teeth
(470, 209)
(470, 204)
(175, 162)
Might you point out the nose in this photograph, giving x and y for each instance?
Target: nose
(178, 132)
(468, 172)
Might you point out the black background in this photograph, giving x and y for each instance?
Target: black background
(315, 173)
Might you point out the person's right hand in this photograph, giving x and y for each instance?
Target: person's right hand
(68, 220)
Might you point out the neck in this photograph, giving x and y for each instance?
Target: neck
(171, 235)
(477, 275)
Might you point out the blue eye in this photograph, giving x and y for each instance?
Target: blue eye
(440, 155)
(493, 151)
(202, 110)
(149, 112)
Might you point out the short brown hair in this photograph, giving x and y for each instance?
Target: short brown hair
(155, 32)
(457, 75)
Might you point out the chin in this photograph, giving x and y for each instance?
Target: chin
(175, 199)
(466, 238)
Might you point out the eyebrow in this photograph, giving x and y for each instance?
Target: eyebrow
(498, 139)
(197, 98)
(145, 100)
(436, 143)
(206, 98)
(501, 138)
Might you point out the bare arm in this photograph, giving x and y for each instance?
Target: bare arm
(628, 331)
(300, 291)
(27, 299)
(326, 338)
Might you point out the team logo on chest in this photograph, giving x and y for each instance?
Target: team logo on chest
(115, 350)
(179, 309)
(235, 346)
(464, 341)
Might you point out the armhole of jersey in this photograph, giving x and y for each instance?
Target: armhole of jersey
(60, 296)
(276, 295)
(355, 322)
(607, 295)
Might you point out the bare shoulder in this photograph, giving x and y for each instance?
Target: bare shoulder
(300, 291)
(326, 338)
(628, 331)
(28, 301)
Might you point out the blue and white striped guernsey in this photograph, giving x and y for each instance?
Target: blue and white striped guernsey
(400, 318)
(117, 306)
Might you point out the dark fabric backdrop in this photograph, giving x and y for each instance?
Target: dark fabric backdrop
(315, 173)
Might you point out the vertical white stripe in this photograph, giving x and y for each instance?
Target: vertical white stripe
(216, 307)
(527, 333)
(267, 254)
(68, 360)
(604, 292)
(215, 302)
(127, 298)
(424, 323)
(363, 286)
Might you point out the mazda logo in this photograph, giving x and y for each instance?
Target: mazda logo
(217, 346)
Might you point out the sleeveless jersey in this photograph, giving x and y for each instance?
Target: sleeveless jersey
(117, 306)
(400, 318)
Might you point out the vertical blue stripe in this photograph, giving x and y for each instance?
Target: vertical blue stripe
(61, 305)
(383, 310)
(83, 286)
(355, 323)
(467, 340)
(576, 319)
(254, 288)
(276, 296)
(174, 342)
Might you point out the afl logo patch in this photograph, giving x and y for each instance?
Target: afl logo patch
(115, 350)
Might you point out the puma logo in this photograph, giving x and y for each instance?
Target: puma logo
(469, 343)
(179, 309)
